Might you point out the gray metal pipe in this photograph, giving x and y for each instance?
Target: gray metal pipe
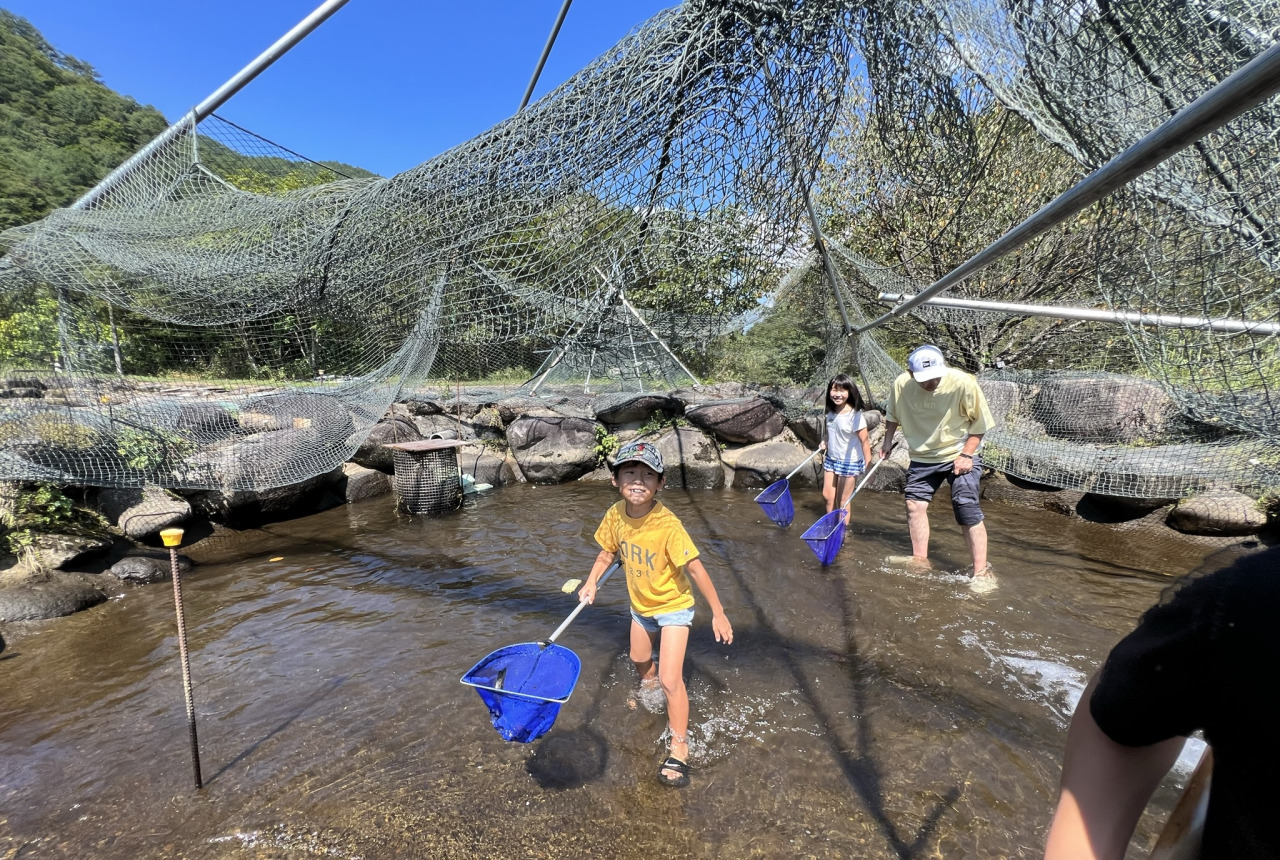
(546, 52)
(214, 101)
(1247, 87)
(1067, 312)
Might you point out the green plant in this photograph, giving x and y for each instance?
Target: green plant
(29, 511)
(147, 450)
(660, 422)
(606, 444)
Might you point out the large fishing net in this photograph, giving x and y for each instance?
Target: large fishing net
(236, 317)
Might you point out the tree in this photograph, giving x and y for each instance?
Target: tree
(909, 201)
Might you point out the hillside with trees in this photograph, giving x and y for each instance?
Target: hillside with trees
(61, 128)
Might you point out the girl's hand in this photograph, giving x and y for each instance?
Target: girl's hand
(722, 628)
(822, 446)
(587, 594)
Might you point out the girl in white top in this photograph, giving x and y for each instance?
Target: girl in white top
(847, 444)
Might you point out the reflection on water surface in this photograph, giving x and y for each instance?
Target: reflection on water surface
(864, 710)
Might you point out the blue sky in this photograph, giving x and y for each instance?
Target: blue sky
(383, 84)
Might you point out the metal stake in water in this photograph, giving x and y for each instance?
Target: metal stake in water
(172, 538)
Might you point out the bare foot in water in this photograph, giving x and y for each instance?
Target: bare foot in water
(984, 581)
(650, 695)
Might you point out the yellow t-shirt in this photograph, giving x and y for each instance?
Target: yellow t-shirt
(936, 423)
(654, 550)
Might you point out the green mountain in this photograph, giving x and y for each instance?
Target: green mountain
(61, 128)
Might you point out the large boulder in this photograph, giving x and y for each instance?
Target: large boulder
(360, 483)
(251, 507)
(1220, 513)
(324, 414)
(139, 512)
(553, 448)
(1003, 397)
(36, 595)
(263, 458)
(631, 408)
(486, 466)
(373, 452)
(204, 421)
(761, 464)
(691, 459)
(64, 551)
(1103, 408)
(143, 569)
(699, 394)
(1010, 489)
(742, 421)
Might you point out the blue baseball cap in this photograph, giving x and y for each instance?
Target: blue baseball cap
(639, 452)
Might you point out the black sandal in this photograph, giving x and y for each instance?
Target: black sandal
(681, 768)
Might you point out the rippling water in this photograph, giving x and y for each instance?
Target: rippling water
(864, 710)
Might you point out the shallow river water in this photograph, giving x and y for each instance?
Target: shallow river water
(864, 709)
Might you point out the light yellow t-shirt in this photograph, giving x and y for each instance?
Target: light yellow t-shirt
(654, 550)
(936, 423)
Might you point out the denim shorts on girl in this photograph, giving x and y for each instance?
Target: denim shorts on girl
(655, 623)
(848, 468)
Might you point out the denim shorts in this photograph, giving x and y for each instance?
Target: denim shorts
(655, 623)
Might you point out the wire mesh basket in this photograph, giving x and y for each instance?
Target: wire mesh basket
(427, 479)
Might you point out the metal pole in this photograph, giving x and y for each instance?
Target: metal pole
(1247, 87)
(546, 52)
(214, 101)
(1070, 313)
(171, 538)
(655, 336)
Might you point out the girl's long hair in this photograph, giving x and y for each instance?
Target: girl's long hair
(841, 380)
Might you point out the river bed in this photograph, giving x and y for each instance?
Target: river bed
(865, 709)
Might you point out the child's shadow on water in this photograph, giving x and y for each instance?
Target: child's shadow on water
(569, 759)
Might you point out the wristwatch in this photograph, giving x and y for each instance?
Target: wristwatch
(963, 454)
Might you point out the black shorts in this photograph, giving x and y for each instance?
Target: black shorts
(923, 480)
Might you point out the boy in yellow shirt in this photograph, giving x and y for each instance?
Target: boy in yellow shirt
(660, 561)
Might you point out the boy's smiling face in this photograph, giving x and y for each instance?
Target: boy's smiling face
(638, 485)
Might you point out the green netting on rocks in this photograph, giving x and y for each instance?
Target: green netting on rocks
(225, 325)
(664, 160)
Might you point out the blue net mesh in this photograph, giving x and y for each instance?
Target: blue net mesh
(524, 686)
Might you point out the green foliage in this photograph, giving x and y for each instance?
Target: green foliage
(606, 444)
(28, 329)
(29, 511)
(659, 423)
(148, 449)
(782, 349)
(61, 129)
(927, 215)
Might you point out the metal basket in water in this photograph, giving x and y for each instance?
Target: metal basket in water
(427, 479)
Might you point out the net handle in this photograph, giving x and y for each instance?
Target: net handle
(574, 614)
(862, 483)
(802, 465)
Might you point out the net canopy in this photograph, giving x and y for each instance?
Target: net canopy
(236, 317)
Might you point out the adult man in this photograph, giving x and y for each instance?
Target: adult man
(943, 415)
(1202, 658)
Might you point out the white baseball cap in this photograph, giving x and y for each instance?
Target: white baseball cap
(926, 362)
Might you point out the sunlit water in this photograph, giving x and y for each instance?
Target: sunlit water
(864, 710)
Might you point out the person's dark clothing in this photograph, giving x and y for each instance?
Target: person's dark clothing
(1205, 658)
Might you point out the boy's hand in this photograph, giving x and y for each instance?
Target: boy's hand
(588, 593)
(722, 628)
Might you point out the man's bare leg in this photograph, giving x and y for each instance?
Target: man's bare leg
(976, 537)
(918, 526)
